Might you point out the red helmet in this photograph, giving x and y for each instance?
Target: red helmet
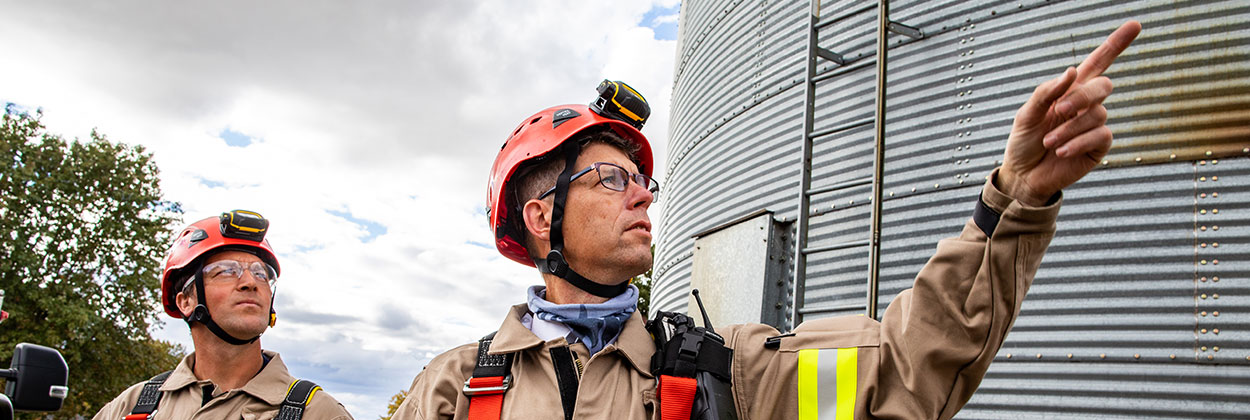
(240, 230)
(537, 135)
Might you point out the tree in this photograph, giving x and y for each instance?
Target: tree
(396, 400)
(643, 282)
(83, 229)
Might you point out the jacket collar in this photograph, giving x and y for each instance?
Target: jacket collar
(634, 342)
(513, 336)
(269, 385)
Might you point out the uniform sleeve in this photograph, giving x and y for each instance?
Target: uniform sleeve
(120, 406)
(931, 349)
(435, 392)
(325, 406)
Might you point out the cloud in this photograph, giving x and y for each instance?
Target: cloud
(395, 318)
(316, 318)
(363, 131)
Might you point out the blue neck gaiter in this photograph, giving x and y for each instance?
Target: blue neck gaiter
(594, 324)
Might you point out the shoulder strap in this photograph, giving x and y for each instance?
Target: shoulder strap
(566, 378)
(149, 398)
(297, 397)
(492, 376)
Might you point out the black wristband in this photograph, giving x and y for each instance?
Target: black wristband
(985, 217)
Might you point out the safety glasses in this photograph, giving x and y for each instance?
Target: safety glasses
(229, 271)
(615, 178)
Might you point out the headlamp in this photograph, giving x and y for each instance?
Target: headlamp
(243, 224)
(619, 101)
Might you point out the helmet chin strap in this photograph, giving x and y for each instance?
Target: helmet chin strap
(200, 314)
(555, 263)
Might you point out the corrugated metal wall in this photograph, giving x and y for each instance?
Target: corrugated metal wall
(1126, 317)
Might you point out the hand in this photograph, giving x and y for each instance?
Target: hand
(1060, 134)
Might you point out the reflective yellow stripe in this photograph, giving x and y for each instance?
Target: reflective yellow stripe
(310, 394)
(848, 371)
(807, 384)
(827, 383)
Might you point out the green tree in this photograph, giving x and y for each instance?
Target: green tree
(396, 400)
(83, 229)
(643, 282)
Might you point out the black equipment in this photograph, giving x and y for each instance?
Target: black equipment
(689, 351)
(36, 380)
(243, 224)
(619, 101)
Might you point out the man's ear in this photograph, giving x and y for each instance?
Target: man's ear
(537, 219)
(186, 304)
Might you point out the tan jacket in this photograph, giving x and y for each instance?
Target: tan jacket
(260, 399)
(922, 361)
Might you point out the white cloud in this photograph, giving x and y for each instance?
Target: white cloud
(660, 20)
(391, 112)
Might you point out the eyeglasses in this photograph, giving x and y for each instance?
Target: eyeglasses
(615, 178)
(228, 271)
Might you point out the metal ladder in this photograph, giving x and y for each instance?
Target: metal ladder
(815, 51)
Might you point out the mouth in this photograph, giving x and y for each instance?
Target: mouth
(248, 302)
(642, 225)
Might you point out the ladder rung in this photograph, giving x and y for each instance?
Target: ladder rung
(843, 127)
(822, 309)
(837, 19)
(908, 31)
(840, 186)
(850, 66)
(830, 55)
(835, 247)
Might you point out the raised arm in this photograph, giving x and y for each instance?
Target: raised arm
(935, 341)
(1060, 133)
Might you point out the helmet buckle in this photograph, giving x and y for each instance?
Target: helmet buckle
(555, 263)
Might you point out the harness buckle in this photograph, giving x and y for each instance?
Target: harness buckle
(141, 416)
(487, 385)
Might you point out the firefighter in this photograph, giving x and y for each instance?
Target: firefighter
(568, 194)
(219, 277)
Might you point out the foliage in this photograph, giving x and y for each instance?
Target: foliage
(643, 282)
(396, 400)
(83, 229)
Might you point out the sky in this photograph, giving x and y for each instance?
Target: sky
(363, 130)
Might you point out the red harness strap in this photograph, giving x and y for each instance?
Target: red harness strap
(486, 403)
(492, 376)
(676, 397)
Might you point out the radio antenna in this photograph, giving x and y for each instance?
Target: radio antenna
(707, 323)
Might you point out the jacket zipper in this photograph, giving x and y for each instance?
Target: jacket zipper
(577, 362)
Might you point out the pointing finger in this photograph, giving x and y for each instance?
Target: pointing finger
(1102, 57)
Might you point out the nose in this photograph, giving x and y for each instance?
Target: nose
(249, 281)
(638, 196)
